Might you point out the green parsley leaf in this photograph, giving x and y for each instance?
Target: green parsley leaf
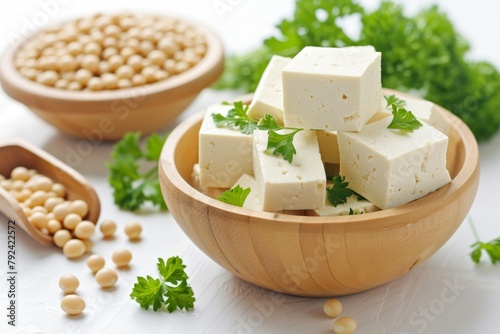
(236, 118)
(180, 297)
(131, 186)
(172, 271)
(148, 292)
(282, 144)
(235, 196)
(278, 143)
(170, 290)
(339, 192)
(268, 123)
(403, 120)
(392, 99)
(492, 248)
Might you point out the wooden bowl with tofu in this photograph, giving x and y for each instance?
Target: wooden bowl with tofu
(318, 256)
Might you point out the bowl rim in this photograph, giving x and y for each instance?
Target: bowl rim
(11, 76)
(368, 221)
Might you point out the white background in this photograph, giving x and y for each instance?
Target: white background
(447, 294)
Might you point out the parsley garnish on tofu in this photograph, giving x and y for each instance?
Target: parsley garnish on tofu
(339, 192)
(392, 99)
(236, 118)
(403, 120)
(279, 143)
(235, 196)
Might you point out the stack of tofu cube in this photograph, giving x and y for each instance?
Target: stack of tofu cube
(335, 95)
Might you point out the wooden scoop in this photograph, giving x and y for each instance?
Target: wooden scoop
(14, 153)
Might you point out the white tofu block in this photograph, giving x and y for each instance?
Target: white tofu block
(209, 191)
(224, 154)
(420, 108)
(391, 168)
(328, 146)
(423, 110)
(332, 88)
(357, 206)
(299, 185)
(253, 200)
(268, 97)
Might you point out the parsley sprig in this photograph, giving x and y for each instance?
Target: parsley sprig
(392, 99)
(279, 143)
(171, 289)
(131, 186)
(236, 118)
(235, 196)
(492, 247)
(339, 192)
(403, 120)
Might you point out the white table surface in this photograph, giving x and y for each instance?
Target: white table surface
(446, 294)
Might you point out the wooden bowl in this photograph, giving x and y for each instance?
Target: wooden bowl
(107, 115)
(318, 256)
(15, 153)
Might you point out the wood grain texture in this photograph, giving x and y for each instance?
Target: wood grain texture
(318, 256)
(15, 153)
(108, 115)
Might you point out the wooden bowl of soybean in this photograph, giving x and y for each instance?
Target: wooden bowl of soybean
(107, 99)
(318, 256)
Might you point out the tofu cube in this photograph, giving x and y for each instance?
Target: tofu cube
(224, 154)
(391, 167)
(253, 200)
(209, 191)
(268, 97)
(332, 88)
(328, 146)
(299, 185)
